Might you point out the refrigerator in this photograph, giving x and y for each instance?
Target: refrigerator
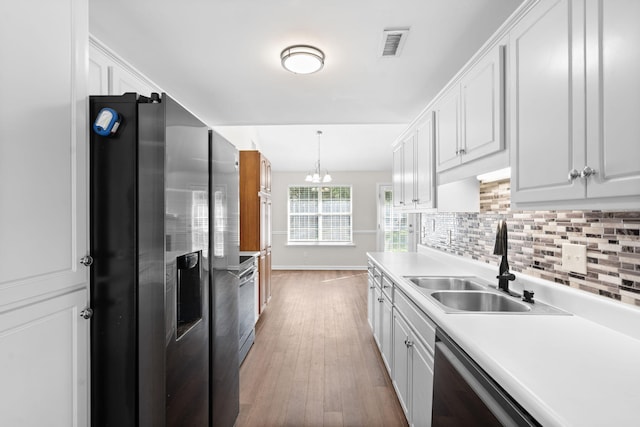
(154, 281)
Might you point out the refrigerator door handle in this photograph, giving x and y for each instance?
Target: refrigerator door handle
(187, 261)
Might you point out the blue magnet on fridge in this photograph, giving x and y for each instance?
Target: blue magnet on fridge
(107, 122)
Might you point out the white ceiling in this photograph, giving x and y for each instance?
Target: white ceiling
(221, 59)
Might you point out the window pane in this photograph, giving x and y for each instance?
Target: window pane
(336, 228)
(303, 227)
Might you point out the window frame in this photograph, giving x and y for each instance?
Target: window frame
(319, 215)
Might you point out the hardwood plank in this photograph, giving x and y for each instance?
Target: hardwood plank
(314, 361)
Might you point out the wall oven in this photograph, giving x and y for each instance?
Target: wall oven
(465, 395)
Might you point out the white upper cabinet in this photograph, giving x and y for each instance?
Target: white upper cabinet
(482, 106)
(109, 75)
(425, 168)
(547, 104)
(613, 98)
(398, 176)
(413, 168)
(409, 169)
(574, 147)
(469, 116)
(447, 112)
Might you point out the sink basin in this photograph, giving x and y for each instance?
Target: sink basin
(479, 302)
(446, 283)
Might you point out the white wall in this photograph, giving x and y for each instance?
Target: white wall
(365, 199)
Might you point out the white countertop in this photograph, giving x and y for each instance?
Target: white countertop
(564, 370)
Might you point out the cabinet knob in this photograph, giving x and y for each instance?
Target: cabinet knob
(86, 260)
(87, 313)
(408, 342)
(573, 174)
(380, 299)
(587, 172)
(463, 151)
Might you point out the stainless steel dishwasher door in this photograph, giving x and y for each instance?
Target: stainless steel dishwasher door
(464, 395)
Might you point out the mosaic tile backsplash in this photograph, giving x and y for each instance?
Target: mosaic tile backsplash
(536, 238)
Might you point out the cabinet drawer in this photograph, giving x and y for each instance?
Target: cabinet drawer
(387, 287)
(374, 274)
(424, 327)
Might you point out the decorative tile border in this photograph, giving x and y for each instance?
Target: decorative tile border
(536, 238)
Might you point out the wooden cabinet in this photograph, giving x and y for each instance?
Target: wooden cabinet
(574, 106)
(469, 116)
(255, 216)
(44, 343)
(414, 173)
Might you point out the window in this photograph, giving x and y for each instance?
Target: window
(395, 226)
(320, 214)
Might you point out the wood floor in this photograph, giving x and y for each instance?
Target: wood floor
(314, 361)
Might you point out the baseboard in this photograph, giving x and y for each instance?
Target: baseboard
(318, 267)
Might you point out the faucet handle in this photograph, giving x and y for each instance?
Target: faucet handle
(527, 296)
(507, 275)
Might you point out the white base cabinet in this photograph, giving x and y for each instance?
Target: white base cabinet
(406, 340)
(413, 361)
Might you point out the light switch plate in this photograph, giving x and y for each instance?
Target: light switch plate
(574, 258)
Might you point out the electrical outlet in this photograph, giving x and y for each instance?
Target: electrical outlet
(574, 258)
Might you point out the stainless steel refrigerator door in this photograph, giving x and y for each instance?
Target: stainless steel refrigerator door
(187, 233)
(225, 259)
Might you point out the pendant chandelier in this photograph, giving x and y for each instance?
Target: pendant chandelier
(317, 176)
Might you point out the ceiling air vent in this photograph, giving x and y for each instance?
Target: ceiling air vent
(393, 40)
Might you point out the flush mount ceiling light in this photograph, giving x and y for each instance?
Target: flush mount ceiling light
(302, 59)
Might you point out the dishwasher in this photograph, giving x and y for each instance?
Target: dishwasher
(248, 273)
(465, 395)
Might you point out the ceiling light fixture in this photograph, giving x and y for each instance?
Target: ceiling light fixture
(316, 175)
(302, 59)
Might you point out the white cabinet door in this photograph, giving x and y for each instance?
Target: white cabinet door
(547, 104)
(425, 168)
(409, 168)
(401, 361)
(377, 314)
(99, 72)
(109, 75)
(371, 300)
(482, 106)
(421, 384)
(124, 81)
(613, 104)
(43, 363)
(386, 324)
(447, 112)
(398, 177)
(43, 148)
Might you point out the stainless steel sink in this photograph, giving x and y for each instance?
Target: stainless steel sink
(446, 283)
(479, 302)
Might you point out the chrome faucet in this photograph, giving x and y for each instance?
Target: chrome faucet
(501, 247)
